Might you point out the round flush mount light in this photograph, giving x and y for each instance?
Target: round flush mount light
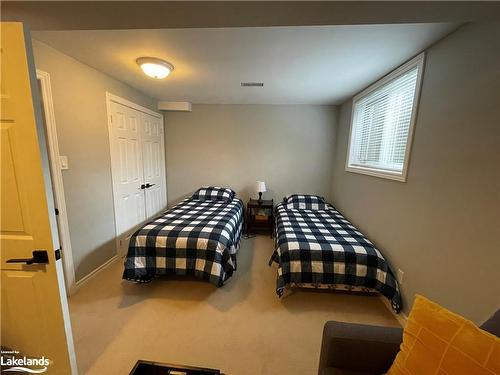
(155, 68)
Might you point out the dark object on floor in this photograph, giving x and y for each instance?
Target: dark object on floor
(156, 368)
(359, 349)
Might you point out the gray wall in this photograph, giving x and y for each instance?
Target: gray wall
(80, 109)
(288, 147)
(441, 227)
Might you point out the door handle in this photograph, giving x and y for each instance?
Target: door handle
(39, 256)
(143, 186)
(149, 185)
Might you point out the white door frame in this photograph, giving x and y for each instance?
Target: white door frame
(121, 247)
(57, 181)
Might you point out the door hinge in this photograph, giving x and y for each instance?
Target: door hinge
(58, 253)
(57, 211)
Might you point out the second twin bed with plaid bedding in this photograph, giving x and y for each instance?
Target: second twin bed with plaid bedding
(317, 246)
(196, 237)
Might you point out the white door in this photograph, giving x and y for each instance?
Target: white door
(128, 189)
(34, 311)
(154, 164)
(138, 166)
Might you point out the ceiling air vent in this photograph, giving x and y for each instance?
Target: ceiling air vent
(252, 84)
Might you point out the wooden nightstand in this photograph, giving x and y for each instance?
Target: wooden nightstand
(260, 216)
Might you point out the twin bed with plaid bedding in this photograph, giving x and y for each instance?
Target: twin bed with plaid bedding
(199, 238)
(319, 247)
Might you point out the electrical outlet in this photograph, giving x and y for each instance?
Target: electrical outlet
(400, 276)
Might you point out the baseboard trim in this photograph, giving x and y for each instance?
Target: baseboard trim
(401, 317)
(89, 276)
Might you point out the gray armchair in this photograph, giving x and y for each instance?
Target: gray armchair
(359, 349)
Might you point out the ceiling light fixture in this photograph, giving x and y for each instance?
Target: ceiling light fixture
(155, 68)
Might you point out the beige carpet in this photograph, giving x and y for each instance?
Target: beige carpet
(241, 328)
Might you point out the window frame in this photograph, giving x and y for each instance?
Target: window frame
(417, 61)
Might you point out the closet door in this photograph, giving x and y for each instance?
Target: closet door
(137, 164)
(127, 168)
(153, 157)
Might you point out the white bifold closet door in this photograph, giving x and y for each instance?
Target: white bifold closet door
(153, 157)
(138, 167)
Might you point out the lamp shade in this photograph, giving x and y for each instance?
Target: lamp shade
(260, 186)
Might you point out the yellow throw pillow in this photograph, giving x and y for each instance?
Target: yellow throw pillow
(439, 342)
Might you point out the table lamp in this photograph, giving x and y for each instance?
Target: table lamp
(260, 186)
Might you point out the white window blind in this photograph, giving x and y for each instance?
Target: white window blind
(382, 121)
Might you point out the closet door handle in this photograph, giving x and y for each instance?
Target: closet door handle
(150, 185)
(143, 186)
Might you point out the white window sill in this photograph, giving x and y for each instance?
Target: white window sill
(401, 177)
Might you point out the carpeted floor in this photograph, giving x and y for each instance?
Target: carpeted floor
(241, 328)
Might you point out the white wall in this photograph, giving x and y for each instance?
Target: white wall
(80, 110)
(441, 227)
(288, 147)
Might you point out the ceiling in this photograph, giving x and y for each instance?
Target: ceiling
(120, 15)
(298, 65)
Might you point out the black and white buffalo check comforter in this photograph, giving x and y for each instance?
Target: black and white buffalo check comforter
(197, 238)
(321, 247)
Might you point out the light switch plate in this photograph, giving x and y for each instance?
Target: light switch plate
(64, 162)
(400, 276)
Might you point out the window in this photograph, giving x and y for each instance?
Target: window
(382, 123)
